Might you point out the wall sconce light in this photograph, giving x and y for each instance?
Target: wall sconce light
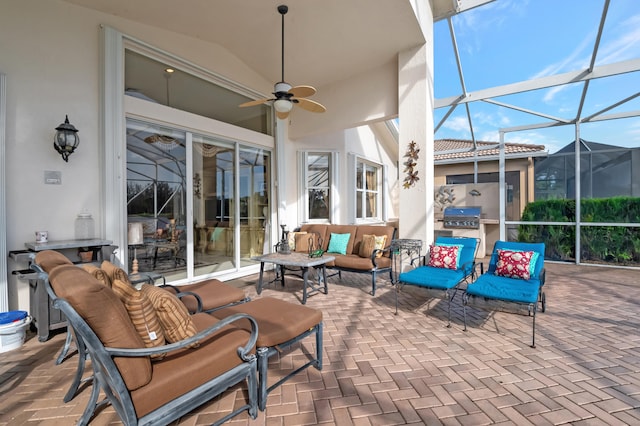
(66, 139)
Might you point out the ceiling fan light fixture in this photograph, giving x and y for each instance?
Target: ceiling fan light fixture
(283, 105)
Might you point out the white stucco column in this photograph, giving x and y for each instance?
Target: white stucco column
(415, 107)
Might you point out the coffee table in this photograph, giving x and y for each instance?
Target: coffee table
(297, 260)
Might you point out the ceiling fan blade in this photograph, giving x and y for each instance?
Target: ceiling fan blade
(282, 115)
(302, 91)
(310, 105)
(254, 103)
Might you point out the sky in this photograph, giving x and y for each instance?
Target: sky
(509, 41)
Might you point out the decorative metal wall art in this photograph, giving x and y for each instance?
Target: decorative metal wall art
(412, 157)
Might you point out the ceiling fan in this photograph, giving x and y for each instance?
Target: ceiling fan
(285, 95)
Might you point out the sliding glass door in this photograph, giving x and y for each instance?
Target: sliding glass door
(198, 218)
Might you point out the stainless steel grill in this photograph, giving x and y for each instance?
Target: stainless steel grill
(462, 217)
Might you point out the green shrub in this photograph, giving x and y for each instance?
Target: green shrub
(610, 244)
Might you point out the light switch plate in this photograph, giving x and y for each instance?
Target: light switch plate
(52, 177)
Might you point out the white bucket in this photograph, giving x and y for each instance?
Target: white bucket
(12, 335)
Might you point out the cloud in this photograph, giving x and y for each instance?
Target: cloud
(457, 124)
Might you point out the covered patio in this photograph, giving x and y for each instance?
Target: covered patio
(380, 368)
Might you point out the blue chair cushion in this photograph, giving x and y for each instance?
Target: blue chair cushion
(503, 288)
(429, 277)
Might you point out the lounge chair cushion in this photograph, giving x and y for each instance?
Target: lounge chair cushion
(278, 321)
(430, 277)
(514, 264)
(213, 293)
(49, 259)
(443, 256)
(370, 243)
(183, 370)
(142, 314)
(97, 273)
(106, 315)
(114, 272)
(173, 315)
(503, 288)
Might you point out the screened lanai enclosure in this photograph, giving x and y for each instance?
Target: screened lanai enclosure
(581, 83)
(202, 204)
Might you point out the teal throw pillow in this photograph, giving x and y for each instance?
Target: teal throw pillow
(338, 243)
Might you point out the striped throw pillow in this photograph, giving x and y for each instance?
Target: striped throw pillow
(174, 317)
(142, 314)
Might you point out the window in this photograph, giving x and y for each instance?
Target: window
(318, 180)
(368, 194)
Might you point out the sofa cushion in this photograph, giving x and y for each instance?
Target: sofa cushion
(303, 241)
(183, 370)
(213, 293)
(354, 261)
(49, 259)
(291, 238)
(370, 243)
(142, 314)
(278, 321)
(173, 315)
(319, 229)
(114, 272)
(97, 273)
(338, 243)
(107, 317)
(378, 230)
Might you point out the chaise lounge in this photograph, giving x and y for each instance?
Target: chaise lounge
(513, 283)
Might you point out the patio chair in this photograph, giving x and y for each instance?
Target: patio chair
(206, 296)
(449, 263)
(190, 372)
(513, 283)
(281, 324)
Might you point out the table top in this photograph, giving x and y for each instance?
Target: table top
(294, 259)
(67, 244)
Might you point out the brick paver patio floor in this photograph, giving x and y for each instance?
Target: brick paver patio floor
(386, 369)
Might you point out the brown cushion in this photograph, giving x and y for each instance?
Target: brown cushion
(98, 274)
(213, 293)
(316, 228)
(278, 321)
(142, 314)
(181, 371)
(291, 238)
(107, 317)
(173, 315)
(49, 259)
(114, 272)
(378, 230)
(304, 240)
(370, 243)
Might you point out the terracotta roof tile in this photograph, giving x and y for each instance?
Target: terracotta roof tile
(451, 149)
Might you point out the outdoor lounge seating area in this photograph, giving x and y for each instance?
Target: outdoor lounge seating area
(408, 368)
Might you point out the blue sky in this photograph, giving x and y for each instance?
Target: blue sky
(508, 41)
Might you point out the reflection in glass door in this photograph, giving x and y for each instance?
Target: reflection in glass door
(156, 200)
(213, 178)
(255, 167)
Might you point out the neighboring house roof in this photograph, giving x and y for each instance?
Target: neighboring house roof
(462, 151)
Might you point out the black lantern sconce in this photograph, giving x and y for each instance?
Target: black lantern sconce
(66, 139)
